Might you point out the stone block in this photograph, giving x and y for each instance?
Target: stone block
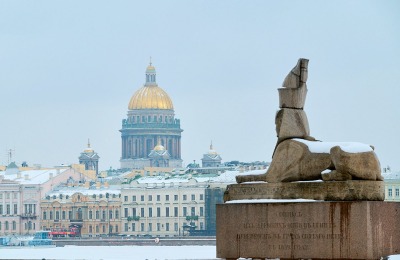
(308, 230)
(291, 123)
(297, 77)
(292, 97)
(354, 190)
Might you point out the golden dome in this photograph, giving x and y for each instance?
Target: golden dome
(159, 147)
(150, 97)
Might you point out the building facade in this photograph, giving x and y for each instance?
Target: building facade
(20, 195)
(170, 208)
(150, 119)
(94, 211)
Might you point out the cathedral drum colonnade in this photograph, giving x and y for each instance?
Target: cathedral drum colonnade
(151, 135)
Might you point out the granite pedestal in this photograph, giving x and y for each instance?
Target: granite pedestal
(308, 230)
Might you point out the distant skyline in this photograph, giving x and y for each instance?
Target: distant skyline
(69, 68)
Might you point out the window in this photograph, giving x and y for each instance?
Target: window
(158, 212)
(97, 229)
(15, 209)
(158, 197)
(126, 227)
(184, 211)
(90, 229)
(397, 192)
(110, 214)
(7, 197)
(193, 211)
(167, 211)
(51, 214)
(97, 214)
(134, 198)
(166, 226)
(175, 226)
(142, 227)
(133, 227)
(8, 209)
(104, 229)
(175, 197)
(150, 212)
(57, 215)
(142, 212)
(201, 225)
(126, 212)
(116, 228)
(201, 211)
(158, 227)
(1, 195)
(185, 197)
(1, 209)
(175, 211)
(125, 198)
(69, 214)
(193, 197)
(90, 214)
(150, 197)
(6, 227)
(142, 198)
(0, 225)
(44, 215)
(390, 193)
(104, 214)
(117, 214)
(150, 228)
(134, 212)
(167, 197)
(14, 195)
(201, 196)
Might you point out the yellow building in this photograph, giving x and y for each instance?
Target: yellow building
(94, 211)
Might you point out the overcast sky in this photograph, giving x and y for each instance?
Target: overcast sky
(69, 68)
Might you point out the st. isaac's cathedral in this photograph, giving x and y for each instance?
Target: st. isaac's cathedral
(151, 135)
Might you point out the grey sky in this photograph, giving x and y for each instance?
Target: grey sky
(69, 68)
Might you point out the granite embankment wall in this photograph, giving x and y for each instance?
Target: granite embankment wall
(196, 241)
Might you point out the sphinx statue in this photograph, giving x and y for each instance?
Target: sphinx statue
(299, 156)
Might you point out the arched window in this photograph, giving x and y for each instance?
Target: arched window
(79, 213)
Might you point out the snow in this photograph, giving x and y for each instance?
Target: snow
(117, 252)
(111, 252)
(325, 147)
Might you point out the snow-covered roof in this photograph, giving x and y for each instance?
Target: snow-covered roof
(391, 175)
(85, 191)
(33, 176)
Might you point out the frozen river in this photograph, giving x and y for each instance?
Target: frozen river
(111, 252)
(116, 252)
